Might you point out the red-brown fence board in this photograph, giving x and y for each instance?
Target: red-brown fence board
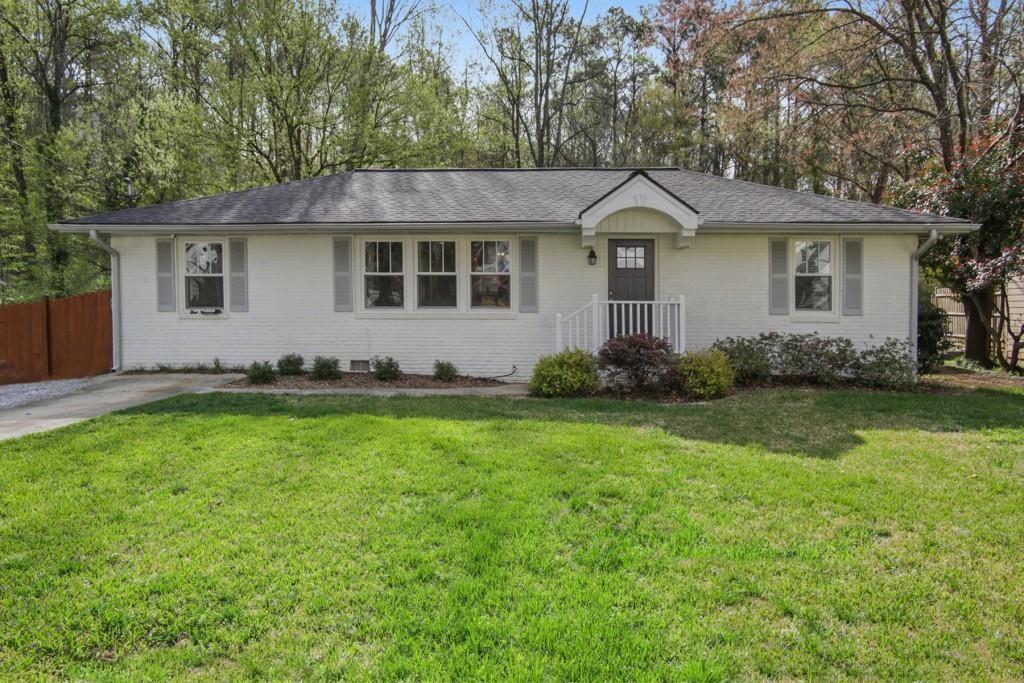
(56, 338)
(80, 335)
(23, 348)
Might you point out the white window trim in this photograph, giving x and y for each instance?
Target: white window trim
(463, 311)
(513, 284)
(418, 273)
(363, 273)
(184, 312)
(831, 316)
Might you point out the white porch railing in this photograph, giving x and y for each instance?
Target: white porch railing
(590, 326)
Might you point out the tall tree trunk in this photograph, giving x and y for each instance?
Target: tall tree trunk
(979, 308)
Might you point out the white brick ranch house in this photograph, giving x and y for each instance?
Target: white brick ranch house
(491, 269)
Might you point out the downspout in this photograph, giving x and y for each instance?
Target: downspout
(115, 295)
(915, 258)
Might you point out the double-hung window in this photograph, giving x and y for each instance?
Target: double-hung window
(813, 276)
(436, 280)
(490, 276)
(204, 276)
(384, 284)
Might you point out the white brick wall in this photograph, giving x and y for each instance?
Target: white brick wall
(291, 307)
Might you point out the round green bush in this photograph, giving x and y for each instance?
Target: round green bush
(445, 371)
(385, 368)
(570, 373)
(260, 372)
(325, 367)
(887, 366)
(290, 364)
(706, 374)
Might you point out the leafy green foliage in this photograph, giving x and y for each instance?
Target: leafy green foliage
(888, 366)
(290, 364)
(752, 358)
(259, 372)
(569, 373)
(385, 368)
(818, 360)
(325, 367)
(706, 374)
(932, 340)
(445, 371)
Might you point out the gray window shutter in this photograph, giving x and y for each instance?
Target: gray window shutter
(529, 294)
(343, 273)
(238, 263)
(165, 275)
(853, 277)
(778, 287)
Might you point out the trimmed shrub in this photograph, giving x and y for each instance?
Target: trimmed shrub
(570, 373)
(290, 364)
(888, 366)
(750, 357)
(932, 342)
(706, 374)
(816, 359)
(325, 367)
(260, 372)
(385, 368)
(445, 371)
(637, 362)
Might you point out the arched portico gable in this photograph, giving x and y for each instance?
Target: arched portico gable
(639, 191)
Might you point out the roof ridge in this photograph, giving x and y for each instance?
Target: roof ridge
(461, 169)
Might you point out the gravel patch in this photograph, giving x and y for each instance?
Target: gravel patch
(14, 395)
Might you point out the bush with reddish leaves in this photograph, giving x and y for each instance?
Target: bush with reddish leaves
(637, 362)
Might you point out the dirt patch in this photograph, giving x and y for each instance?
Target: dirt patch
(949, 378)
(363, 380)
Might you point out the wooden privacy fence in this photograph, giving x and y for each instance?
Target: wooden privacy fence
(956, 322)
(56, 338)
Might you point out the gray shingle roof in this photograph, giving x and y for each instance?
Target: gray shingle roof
(494, 195)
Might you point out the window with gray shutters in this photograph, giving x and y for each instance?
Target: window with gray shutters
(813, 276)
(204, 277)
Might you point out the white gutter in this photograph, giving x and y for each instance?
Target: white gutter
(115, 295)
(915, 258)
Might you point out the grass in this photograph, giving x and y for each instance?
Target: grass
(783, 534)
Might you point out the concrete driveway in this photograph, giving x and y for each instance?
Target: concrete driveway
(100, 395)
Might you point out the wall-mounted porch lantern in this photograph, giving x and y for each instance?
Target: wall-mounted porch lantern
(592, 257)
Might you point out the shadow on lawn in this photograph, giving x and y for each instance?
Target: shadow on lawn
(809, 422)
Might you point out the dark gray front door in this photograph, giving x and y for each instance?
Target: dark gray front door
(630, 278)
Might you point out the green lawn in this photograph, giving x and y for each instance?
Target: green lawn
(782, 534)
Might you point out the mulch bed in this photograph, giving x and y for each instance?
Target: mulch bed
(363, 380)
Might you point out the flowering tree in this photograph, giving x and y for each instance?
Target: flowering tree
(987, 186)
